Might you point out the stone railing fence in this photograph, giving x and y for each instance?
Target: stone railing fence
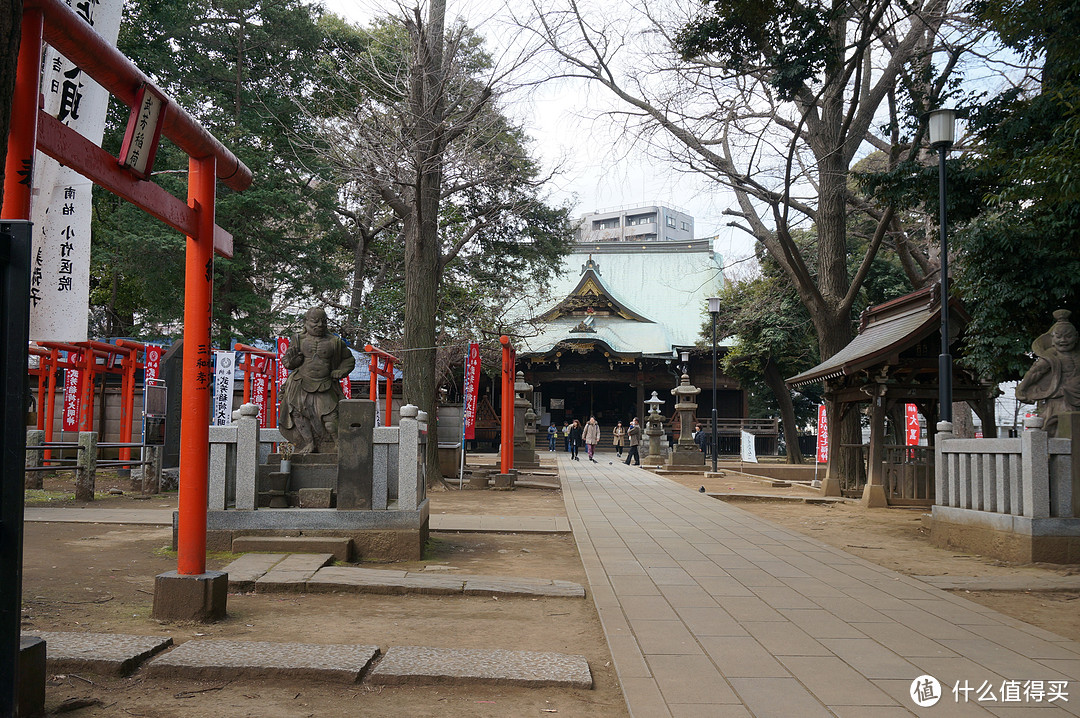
(237, 450)
(1029, 476)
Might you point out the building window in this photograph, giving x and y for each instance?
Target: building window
(634, 220)
(685, 226)
(671, 222)
(605, 224)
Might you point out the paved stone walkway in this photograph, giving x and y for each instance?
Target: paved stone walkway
(711, 611)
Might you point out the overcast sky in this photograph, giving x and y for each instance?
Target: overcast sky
(563, 119)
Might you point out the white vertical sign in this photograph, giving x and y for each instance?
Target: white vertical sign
(749, 453)
(60, 273)
(224, 376)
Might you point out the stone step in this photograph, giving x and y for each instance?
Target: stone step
(114, 654)
(220, 659)
(416, 665)
(337, 546)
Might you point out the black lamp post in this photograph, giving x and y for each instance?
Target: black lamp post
(942, 135)
(714, 310)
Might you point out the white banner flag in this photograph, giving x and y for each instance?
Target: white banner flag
(60, 270)
(749, 453)
(224, 375)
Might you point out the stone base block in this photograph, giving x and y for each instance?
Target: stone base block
(113, 654)
(202, 597)
(831, 487)
(371, 545)
(683, 459)
(504, 481)
(336, 546)
(478, 480)
(1014, 539)
(415, 665)
(31, 676)
(873, 496)
(316, 498)
(212, 659)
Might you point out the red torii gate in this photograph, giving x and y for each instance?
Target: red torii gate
(268, 368)
(385, 370)
(208, 159)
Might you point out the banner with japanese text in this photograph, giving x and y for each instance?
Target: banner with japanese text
(822, 435)
(260, 389)
(911, 422)
(152, 362)
(60, 256)
(72, 392)
(346, 387)
(224, 378)
(282, 372)
(472, 388)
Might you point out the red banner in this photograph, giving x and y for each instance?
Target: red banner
(346, 386)
(822, 435)
(72, 384)
(152, 362)
(282, 372)
(911, 422)
(260, 385)
(472, 388)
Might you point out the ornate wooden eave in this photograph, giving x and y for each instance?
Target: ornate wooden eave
(589, 299)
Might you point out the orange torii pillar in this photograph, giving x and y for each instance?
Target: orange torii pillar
(506, 413)
(375, 371)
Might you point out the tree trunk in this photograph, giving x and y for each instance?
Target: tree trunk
(787, 412)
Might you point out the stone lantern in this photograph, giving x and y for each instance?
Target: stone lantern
(654, 429)
(686, 451)
(524, 453)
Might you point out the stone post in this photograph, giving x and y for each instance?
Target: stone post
(410, 459)
(151, 470)
(1069, 428)
(34, 437)
(654, 430)
(86, 466)
(1034, 470)
(945, 493)
(247, 455)
(530, 429)
(686, 451)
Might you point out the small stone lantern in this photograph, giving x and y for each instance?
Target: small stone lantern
(524, 453)
(654, 429)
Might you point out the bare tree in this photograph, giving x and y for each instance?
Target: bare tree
(780, 140)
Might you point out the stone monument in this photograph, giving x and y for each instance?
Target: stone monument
(1053, 381)
(524, 453)
(317, 361)
(686, 453)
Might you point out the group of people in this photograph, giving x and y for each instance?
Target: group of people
(574, 434)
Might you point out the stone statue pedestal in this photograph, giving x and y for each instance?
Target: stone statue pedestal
(308, 471)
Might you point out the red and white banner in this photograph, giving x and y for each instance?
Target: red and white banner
(912, 430)
(72, 385)
(152, 362)
(472, 388)
(282, 372)
(822, 435)
(346, 386)
(260, 385)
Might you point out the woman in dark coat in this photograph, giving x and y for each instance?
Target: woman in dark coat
(575, 439)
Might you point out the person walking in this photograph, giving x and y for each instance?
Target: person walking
(618, 438)
(575, 439)
(592, 437)
(553, 432)
(566, 434)
(633, 437)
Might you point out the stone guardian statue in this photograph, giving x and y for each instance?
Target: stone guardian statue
(1053, 381)
(317, 362)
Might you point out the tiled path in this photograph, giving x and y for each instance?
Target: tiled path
(711, 611)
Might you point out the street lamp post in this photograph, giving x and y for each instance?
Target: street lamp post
(942, 135)
(714, 310)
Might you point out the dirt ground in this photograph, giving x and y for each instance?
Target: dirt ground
(96, 577)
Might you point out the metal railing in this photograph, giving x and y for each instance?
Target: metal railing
(86, 462)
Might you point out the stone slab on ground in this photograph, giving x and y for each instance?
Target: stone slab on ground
(512, 586)
(217, 659)
(1019, 582)
(338, 546)
(106, 653)
(416, 665)
(249, 568)
(365, 580)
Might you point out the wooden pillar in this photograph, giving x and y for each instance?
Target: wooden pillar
(874, 491)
